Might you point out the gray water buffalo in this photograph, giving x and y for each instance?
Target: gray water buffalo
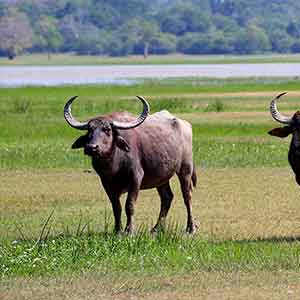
(292, 127)
(130, 154)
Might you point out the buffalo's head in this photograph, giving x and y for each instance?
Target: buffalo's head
(292, 124)
(102, 134)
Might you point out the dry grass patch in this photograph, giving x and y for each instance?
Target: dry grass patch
(202, 285)
(228, 203)
(253, 118)
(28, 197)
(256, 94)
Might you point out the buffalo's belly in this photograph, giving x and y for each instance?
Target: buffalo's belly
(154, 177)
(160, 162)
(154, 183)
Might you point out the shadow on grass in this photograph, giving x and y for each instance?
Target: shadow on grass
(271, 239)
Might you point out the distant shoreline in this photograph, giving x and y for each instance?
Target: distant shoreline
(19, 76)
(70, 59)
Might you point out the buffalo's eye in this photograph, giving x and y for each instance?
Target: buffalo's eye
(106, 130)
(92, 127)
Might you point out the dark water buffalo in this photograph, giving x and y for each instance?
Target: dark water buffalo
(292, 127)
(130, 154)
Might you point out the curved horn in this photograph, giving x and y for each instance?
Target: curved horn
(70, 119)
(136, 122)
(276, 114)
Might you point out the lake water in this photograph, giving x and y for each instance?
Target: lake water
(127, 74)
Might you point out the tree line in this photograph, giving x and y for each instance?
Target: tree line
(118, 27)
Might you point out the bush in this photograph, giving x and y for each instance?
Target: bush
(216, 106)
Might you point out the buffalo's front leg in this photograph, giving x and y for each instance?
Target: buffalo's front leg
(114, 198)
(131, 199)
(117, 209)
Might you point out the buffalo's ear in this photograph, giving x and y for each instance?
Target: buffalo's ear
(122, 144)
(281, 131)
(80, 142)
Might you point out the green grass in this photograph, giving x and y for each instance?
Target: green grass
(209, 153)
(164, 89)
(32, 141)
(68, 59)
(142, 253)
(35, 135)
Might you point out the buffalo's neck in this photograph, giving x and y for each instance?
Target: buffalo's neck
(294, 158)
(296, 140)
(109, 166)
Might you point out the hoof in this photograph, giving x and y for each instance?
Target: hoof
(118, 230)
(192, 229)
(157, 228)
(128, 230)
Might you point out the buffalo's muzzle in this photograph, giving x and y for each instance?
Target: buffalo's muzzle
(91, 149)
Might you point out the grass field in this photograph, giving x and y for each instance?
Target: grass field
(56, 239)
(70, 59)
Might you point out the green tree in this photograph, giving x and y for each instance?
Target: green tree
(195, 43)
(15, 33)
(295, 48)
(225, 24)
(203, 5)
(185, 17)
(221, 43)
(281, 41)
(251, 40)
(172, 23)
(88, 41)
(47, 34)
(164, 43)
(142, 33)
(3, 9)
(195, 19)
(147, 34)
(104, 16)
(119, 27)
(293, 29)
(70, 30)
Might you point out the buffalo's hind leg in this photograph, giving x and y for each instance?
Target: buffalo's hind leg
(166, 197)
(185, 178)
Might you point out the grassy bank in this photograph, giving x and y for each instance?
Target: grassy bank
(69, 59)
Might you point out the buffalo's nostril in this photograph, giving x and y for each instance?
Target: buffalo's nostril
(91, 148)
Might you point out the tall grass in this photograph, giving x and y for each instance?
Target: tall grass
(170, 251)
(216, 106)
